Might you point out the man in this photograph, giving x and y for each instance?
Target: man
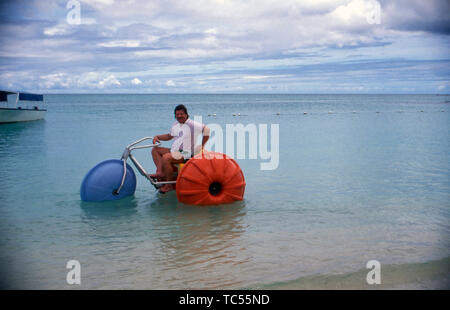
(185, 132)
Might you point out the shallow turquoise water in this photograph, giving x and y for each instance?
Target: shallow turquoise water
(360, 177)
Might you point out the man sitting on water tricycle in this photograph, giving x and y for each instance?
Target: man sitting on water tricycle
(185, 133)
(202, 178)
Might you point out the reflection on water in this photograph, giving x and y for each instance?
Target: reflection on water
(173, 246)
(197, 246)
(109, 209)
(19, 139)
(22, 158)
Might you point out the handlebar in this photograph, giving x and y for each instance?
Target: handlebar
(132, 146)
(142, 146)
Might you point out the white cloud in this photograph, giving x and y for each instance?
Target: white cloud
(109, 81)
(443, 86)
(59, 29)
(97, 80)
(89, 80)
(121, 43)
(55, 80)
(211, 31)
(191, 29)
(256, 77)
(251, 41)
(355, 10)
(264, 77)
(136, 81)
(170, 83)
(98, 3)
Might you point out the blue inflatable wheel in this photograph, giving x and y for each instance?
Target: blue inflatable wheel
(101, 182)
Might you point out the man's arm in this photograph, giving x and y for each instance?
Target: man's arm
(206, 132)
(165, 137)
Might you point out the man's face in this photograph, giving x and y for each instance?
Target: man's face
(181, 116)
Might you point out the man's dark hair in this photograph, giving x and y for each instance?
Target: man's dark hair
(180, 107)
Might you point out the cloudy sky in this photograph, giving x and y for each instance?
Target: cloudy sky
(225, 46)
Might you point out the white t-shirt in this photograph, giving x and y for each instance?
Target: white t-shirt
(185, 135)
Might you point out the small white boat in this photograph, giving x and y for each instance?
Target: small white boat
(25, 109)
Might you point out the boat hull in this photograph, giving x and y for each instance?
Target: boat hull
(12, 115)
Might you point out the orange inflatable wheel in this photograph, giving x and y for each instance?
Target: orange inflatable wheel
(210, 178)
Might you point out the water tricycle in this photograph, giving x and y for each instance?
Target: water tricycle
(208, 178)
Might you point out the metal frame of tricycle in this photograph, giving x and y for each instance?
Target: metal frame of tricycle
(127, 154)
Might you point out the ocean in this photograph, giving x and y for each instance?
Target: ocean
(359, 178)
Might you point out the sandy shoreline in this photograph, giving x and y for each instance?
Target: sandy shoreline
(432, 275)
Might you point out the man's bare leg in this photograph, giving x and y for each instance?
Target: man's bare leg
(157, 154)
(167, 161)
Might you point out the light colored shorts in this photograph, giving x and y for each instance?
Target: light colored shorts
(181, 154)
